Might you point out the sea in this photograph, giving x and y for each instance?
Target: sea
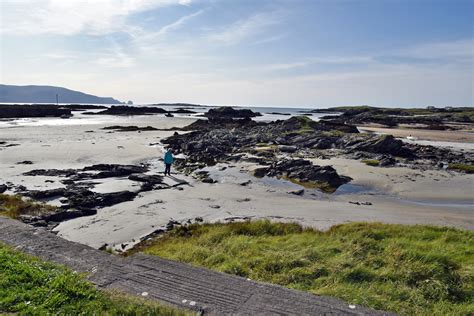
(268, 114)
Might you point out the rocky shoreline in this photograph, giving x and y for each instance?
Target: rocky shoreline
(33, 110)
(115, 184)
(229, 139)
(430, 118)
(77, 197)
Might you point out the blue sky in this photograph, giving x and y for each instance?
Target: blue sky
(312, 53)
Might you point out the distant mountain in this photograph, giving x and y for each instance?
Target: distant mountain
(47, 94)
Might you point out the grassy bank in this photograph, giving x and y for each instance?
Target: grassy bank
(407, 269)
(30, 286)
(461, 167)
(14, 205)
(371, 162)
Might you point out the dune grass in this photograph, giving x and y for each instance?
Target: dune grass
(461, 167)
(14, 205)
(371, 162)
(422, 270)
(33, 287)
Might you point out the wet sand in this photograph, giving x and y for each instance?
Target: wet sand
(397, 195)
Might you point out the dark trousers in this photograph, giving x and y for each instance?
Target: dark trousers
(167, 169)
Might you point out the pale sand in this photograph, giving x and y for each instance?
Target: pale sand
(421, 134)
(406, 196)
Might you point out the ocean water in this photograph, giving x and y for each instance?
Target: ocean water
(268, 114)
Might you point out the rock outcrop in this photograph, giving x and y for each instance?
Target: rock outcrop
(130, 110)
(303, 172)
(33, 110)
(227, 112)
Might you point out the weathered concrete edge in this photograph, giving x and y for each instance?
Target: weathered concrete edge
(216, 293)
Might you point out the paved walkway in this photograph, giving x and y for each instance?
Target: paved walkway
(172, 282)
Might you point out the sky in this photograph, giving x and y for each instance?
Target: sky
(291, 53)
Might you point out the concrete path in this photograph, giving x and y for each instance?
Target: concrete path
(172, 282)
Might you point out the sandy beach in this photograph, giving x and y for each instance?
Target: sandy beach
(392, 195)
(461, 136)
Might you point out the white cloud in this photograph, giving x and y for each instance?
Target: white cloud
(68, 17)
(61, 56)
(453, 49)
(245, 28)
(269, 39)
(145, 40)
(116, 58)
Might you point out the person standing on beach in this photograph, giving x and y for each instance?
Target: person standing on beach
(168, 161)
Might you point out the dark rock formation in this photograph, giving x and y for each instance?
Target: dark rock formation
(44, 194)
(82, 107)
(305, 173)
(385, 144)
(183, 111)
(34, 110)
(431, 118)
(77, 194)
(86, 199)
(226, 112)
(25, 162)
(51, 172)
(129, 128)
(216, 142)
(131, 110)
(114, 170)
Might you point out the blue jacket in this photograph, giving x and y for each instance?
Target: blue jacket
(168, 158)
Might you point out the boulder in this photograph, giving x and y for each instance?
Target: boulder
(226, 112)
(130, 110)
(287, 149)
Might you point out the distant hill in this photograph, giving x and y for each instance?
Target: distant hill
(47, 94)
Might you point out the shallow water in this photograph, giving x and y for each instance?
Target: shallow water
(79, 118)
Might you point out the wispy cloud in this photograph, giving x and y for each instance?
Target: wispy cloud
(245, 28)
(115, 58)
(145, 38)
(20, 17)
(269, 39)
(61, 56)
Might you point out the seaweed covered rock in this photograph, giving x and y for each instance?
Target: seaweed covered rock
(379, 144)
(32, 110)
(227, 112)
(130, 110)
(304, 172)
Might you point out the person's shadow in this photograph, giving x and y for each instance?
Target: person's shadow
(179, 181)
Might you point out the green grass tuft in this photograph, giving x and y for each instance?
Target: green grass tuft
(418, 270)
(371, 162)
(461, 167)
(319, 185)
(14, 205)
(33, 287)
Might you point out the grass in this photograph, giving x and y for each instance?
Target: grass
(461, 167)
(14, 205)
(31, 286)
(411, 270)
(371, 162)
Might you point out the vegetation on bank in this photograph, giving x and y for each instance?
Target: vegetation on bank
(371, 162)
(461, 167)
(14, 205)
(31, 286)
(422, 270)
(319, 185)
